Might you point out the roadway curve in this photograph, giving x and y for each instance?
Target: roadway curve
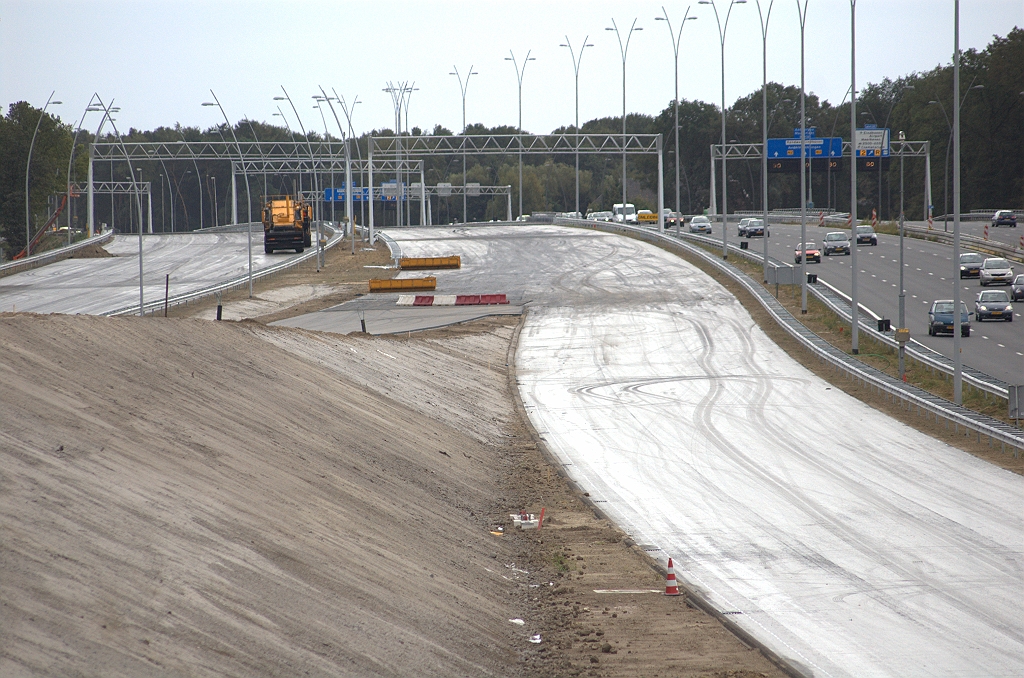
(96, 286)
(847, 542)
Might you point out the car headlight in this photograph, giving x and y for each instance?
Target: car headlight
(983, 308)
(963, 268)
(1009, 307)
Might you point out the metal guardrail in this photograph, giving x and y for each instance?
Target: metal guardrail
(240, 281)
(912, 395)
(50, 256)
(980, 244)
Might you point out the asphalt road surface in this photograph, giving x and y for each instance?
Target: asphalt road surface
(95, 286)
(994, 347)
(848, 542)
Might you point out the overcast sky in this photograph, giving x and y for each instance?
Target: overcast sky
(158, 59)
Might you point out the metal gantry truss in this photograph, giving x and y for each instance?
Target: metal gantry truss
(906, 149)
(396, 147)
(391, 155)
(645, 144)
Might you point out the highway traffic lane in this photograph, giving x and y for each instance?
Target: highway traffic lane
(93, 286)
(843, 540)
(1003, 234)
(928, 275)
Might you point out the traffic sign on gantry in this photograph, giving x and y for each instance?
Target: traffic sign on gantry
(871, 142)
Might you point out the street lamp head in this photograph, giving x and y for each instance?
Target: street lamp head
(935, 102)
(280, 99)
(209, 103)
(532, 59)
(659, 18)
(609, 29)
(56, 103)
(975, 87)
(786, 101)
(906, 87)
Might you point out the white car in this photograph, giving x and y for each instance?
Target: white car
(599, 216)
(996, 270)
(700, 224)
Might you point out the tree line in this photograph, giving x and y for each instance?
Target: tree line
(190, 194)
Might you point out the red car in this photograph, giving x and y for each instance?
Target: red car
(811, 251)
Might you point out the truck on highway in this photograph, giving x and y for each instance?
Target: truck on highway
(286, 224)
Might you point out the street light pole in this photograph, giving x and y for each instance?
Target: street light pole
(28, 166)
(803, 164)
(765, 18)
(248, 196)
(676, 39)
(854, 307)
(903, 294)
(463, 87)
(519, 76)
(957, 327)
(725, 184)
(624, 51)
(348, 163)
(348, 111)
(949, 144)
(312, 166)
(576, 71)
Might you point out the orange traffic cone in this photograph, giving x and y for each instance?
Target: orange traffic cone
(671, 589)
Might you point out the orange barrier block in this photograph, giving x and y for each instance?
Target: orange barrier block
(420, 263)
(402, 284)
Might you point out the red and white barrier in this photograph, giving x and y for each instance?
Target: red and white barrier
(874, 218)
(986, 230)
(821, 219)
(451, 299)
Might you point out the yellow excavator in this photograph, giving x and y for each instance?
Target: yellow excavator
(286, 224)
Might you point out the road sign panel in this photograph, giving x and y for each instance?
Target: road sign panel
(824, 147)
(871, 143)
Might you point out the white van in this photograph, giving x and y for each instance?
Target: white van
(624, 213)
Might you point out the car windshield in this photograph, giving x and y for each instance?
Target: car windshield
(971, 258)
(1000, 295)
(947, 307)
(996, 263)
(865, 229)
(835, 236)
(1003, 213)
(755, 222)
(700, 220)
(808, 246)
(1019, 280)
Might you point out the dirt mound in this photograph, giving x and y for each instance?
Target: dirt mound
(91, 252)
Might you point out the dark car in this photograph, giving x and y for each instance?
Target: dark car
(1017, 288)
(1004, 218)
(836, 243)
(674, 220)
(940, 318)
(755, 227)
(811, 251)
(970, 265)
(994, 305)
(866, 234)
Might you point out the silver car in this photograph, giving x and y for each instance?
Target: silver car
(836, 242)
(996, 270)
(700, 224)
